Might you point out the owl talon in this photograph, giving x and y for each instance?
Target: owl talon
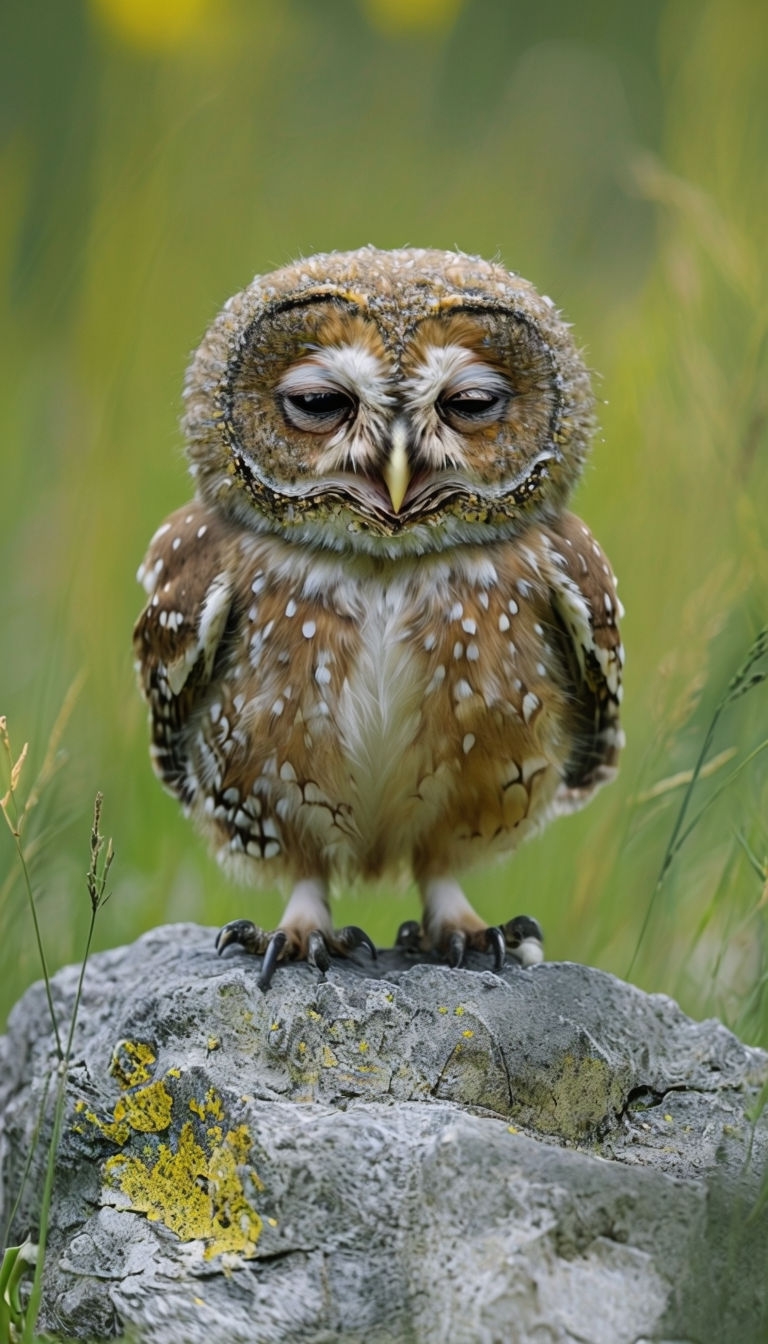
(524, 940)
(257, 943)
(497, 946)
(246, 934)
(350, 937)
(484, 940)
(318, 954)
(409, 939)
(317, 949)
(275, 947)
(408, 936)
(457, 946)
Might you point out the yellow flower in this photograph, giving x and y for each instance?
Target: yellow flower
(412, 16)
(152, 25)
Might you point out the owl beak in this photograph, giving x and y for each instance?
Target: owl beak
(397, 468)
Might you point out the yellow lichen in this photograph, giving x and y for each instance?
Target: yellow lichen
(329, 1059)
(198, 1195)
(132, 1062)
(147, 1110)
(468, 1032)
(579, 1095)
(210, 1106)
(459, 1011)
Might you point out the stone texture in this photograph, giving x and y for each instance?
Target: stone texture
(400, 1152)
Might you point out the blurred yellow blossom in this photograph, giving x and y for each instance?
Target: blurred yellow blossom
(412, 16)
(152, 25)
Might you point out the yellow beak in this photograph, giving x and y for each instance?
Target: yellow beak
(397, 470)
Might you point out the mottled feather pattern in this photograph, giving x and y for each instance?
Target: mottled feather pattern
(376, 644)
(408, 719)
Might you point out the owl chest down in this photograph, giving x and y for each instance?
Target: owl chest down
(445, 763)
(367, 722)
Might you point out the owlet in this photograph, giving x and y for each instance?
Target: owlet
(376, 642)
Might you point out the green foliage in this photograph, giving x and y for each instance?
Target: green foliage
(17, 1315)
(14, 1264)
(156, 157)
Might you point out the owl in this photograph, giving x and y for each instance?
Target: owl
(376, 643)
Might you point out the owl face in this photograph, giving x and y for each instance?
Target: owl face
(388, 402)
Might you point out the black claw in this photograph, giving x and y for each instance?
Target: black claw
(243, 932)
(521, 927)
(271, 957)
(497, 945)
(524, 939)
(351, 937)
(456, 948)
(317, 951)
(408, 937)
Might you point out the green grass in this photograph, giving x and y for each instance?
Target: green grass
(613, 154)
(18, 1312)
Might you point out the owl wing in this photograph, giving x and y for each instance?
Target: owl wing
(179, 633)
(586, 608)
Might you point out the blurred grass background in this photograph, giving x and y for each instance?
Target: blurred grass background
(156, 154)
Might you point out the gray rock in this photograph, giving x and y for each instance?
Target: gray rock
(400, 1152)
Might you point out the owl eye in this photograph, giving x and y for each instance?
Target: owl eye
(472, 406)
(318, 412)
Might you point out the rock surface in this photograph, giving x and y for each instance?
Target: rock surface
(398, 1153)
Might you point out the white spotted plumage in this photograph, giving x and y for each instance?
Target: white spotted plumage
(363, 660)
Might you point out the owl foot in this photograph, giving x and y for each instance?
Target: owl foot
(521, 937)
(453, 946)
(315, 946)
(451, 927)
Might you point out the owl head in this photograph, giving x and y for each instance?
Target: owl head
(388, 402)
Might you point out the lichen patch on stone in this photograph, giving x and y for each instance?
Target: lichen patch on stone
(582, 1094)
(211, 1105)
(145, 1110)
(195, 1189)
(132, 1063)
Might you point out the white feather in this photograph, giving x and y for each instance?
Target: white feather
(378, 716)
(210, 627)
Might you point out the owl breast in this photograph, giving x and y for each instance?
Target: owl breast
(437, 761)
(357, 719)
